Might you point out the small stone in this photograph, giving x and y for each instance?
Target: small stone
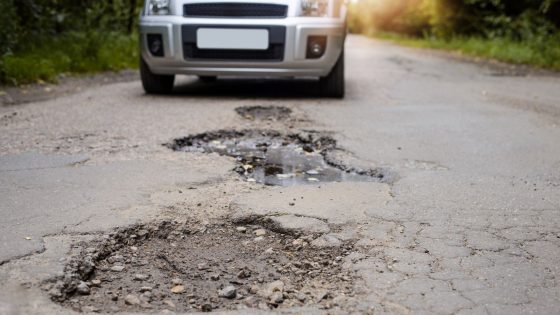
(95, 283)
(321, 296)
(133, 248)
(244, 274)
(277, 298)
(202, 266)
(176, 281)
(254, 289)
(228, 292)
(90, 309)
(269, 251)
(146, 305)
(298, 242)
(215, 277)
(117, 268)
(260, 232)
(241, 229)
(131, 299)
(206, 307)
(140, 277)
(276, 286)
(83, 288)
(271, 288)
(258, 239)
(145, 289)
(327, 241)
(169, 303)
(115, 258)
(178, 289)
(301, 297)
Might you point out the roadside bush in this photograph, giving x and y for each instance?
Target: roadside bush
(41, 38)
(73, 52)
(519, 31)
(515, 19)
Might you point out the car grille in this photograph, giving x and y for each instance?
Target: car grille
(235, 10)
(273, 53)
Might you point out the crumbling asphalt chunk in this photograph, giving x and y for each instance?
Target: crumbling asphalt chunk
(273, 113)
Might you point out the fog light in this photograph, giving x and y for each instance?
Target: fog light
(155, 44)
(316, 46)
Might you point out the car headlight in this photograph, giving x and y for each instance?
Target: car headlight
(159, 7)
(316, 8)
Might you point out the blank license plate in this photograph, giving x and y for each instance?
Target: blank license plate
(228, 38)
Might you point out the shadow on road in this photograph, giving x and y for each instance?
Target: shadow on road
(241, 87)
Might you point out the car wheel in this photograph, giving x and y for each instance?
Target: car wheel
(333, 84)
(207, 78)
(155, 83)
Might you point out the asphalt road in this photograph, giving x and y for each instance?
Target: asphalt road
(468, 224)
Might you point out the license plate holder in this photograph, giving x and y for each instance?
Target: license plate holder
(232, 38)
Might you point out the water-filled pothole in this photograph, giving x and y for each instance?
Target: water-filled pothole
(273, 158)
(264, 112)
(181, 268)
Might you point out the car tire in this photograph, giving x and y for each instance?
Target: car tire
(333, 84)
(155, 83)
(207, 78)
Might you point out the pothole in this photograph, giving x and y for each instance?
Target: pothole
(180, 268)
(272, 158)
(274, 113)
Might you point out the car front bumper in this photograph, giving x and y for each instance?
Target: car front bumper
(294, 61)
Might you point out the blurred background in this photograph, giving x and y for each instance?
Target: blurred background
(41, 39)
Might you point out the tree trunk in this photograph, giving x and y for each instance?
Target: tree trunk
(131, 16)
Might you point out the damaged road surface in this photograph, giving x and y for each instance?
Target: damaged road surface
(271, 158)
(400, 199)
(181, 268)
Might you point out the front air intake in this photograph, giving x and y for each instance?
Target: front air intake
(235, 10)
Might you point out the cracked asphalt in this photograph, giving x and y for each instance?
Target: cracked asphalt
(469, 224)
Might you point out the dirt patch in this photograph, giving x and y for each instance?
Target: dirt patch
(273, 158)
(181, 268)
(273, 113)
(14, 95)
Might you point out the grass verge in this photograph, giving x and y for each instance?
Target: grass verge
(45, 59)
(543, 53)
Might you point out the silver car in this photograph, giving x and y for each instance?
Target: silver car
(257, 38)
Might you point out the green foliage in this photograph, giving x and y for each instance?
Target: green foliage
(545, 54)
(72, 52)
(42, 38)
(8, 24)
(519, 31)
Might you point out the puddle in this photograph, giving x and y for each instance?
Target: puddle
(273, 113)
(186, 269)
(271, 158)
